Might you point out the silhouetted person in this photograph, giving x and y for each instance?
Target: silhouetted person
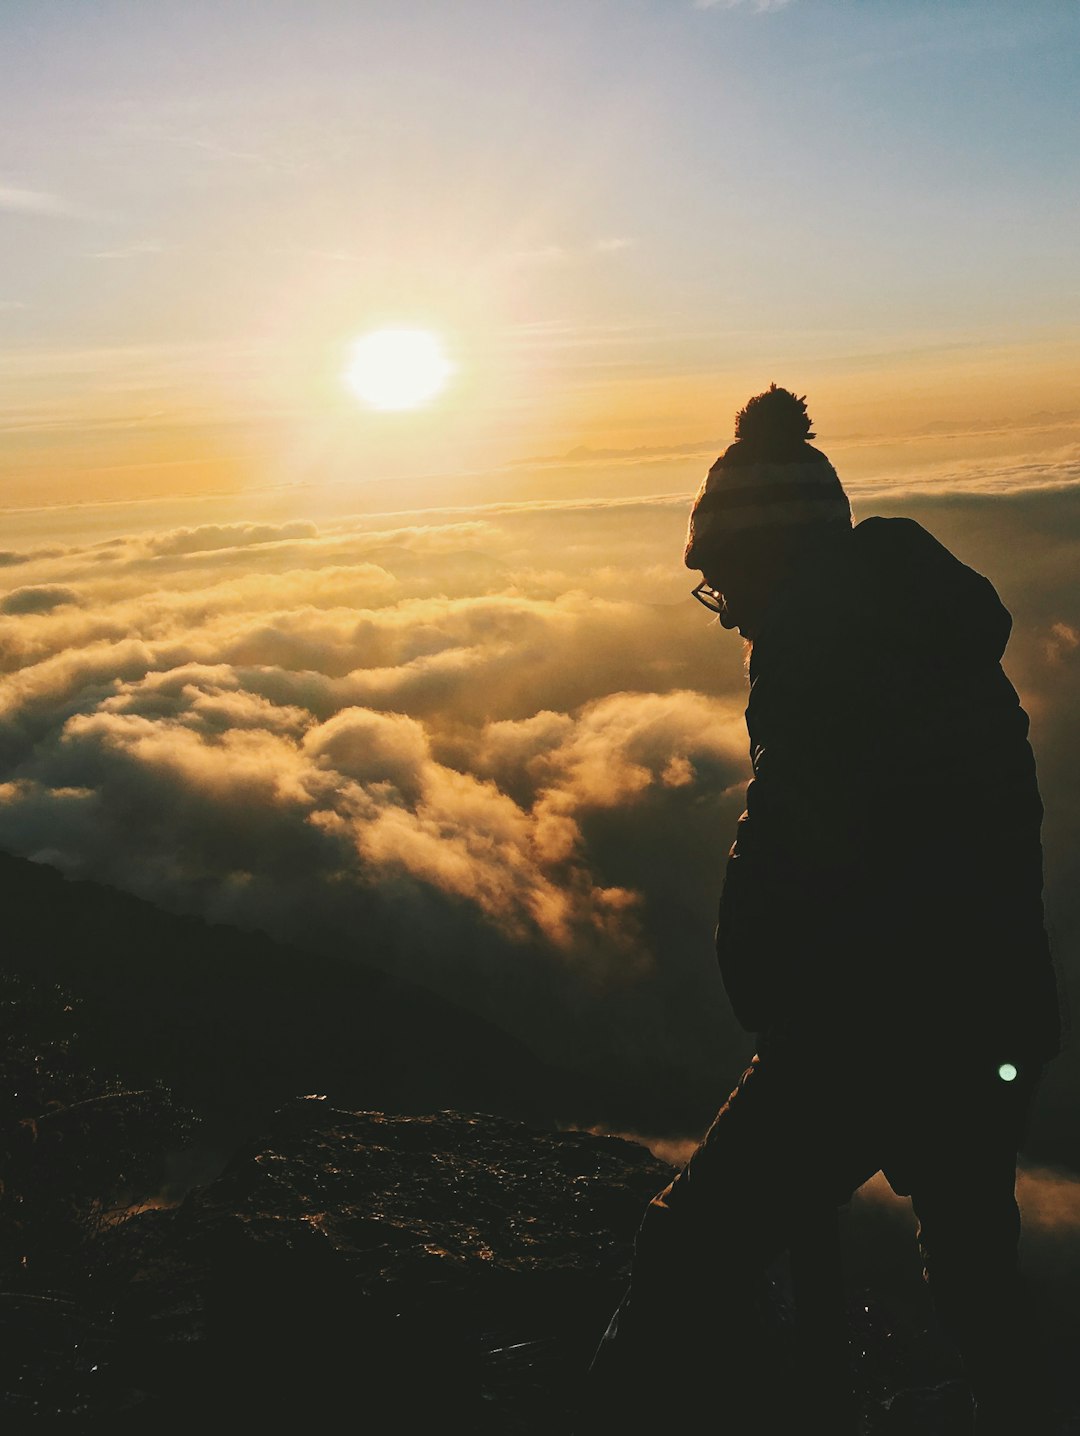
(880, 931)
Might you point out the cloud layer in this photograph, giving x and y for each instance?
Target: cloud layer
(497, 750)
(461, 747)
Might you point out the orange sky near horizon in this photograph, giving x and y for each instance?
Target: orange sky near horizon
(91, 436)
(620, 221)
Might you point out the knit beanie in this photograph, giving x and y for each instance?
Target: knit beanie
(769, 479)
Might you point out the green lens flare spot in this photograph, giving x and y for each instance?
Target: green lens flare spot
(1007, 1072)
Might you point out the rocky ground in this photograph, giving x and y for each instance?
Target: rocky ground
(356, 1270)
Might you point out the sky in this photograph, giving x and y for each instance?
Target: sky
(427, 685)
(620, 215)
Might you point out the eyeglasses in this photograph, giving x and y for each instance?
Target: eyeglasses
(712, 598)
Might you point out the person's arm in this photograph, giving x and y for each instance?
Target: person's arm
(795, 858)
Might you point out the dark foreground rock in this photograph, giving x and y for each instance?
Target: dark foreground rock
(366, 1272)
(353, 1269)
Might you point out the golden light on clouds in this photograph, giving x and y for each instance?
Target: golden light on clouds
(397, 368)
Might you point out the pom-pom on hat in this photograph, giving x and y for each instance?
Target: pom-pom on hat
(769, 479)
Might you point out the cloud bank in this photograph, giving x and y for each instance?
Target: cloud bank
(499, 751)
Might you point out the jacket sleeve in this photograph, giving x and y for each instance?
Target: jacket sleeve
(744, 952)
(783, 895)
(786, 908)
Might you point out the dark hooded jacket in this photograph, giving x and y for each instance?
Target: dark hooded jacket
(885, 886)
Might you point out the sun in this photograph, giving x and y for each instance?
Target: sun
(397, 368)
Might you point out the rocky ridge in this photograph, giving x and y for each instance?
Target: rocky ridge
(370, 1271)
(448, 1267)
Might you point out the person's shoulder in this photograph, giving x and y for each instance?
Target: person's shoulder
(875, 552)
(914, 589)
(898, 533)
(884, 545)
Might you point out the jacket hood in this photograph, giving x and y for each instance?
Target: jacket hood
(921, 593)
(889, 582)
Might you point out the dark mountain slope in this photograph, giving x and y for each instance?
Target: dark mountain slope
(235, 1022)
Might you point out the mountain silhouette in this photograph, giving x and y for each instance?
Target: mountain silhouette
(235, 1022)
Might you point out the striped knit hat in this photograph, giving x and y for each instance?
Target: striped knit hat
(769, 479)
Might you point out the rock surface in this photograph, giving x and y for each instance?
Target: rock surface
(355, 1267)
(357, 1270)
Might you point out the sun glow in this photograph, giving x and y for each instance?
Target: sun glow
(397, 368)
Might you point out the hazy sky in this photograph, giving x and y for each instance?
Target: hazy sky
(620, 215)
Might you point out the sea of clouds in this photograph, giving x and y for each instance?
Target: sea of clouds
(498, 750)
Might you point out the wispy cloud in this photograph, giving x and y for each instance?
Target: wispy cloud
(129, 251)
(226, 153)
(337, 256)
(542, 254)
(572, 253)
(34, 201)
(758, 5)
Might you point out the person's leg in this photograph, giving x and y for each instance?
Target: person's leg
(786, 1142)
(824, 1372)
(963, 1193)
